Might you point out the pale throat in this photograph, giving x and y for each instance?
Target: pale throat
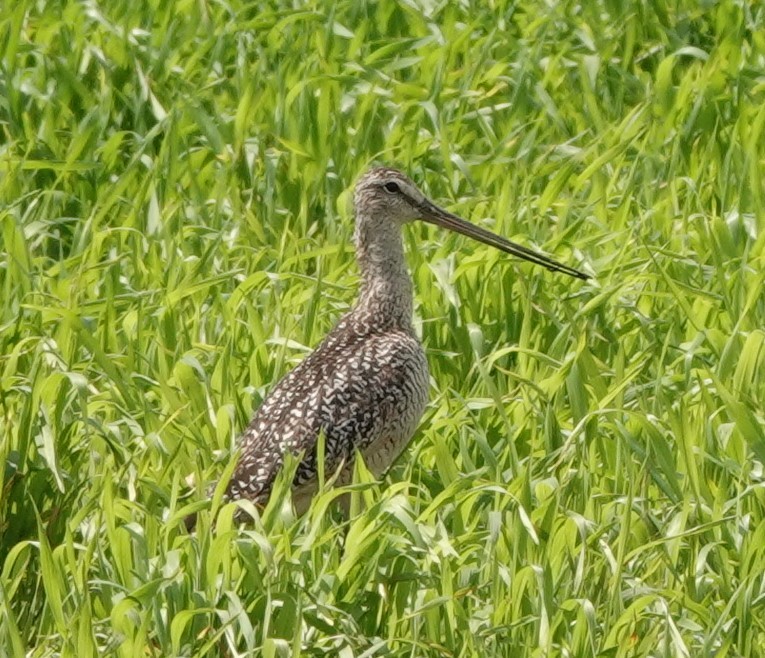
(386, 288)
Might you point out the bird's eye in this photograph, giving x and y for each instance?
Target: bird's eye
(392, 187)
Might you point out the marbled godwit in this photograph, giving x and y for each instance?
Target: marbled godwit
(366, 385)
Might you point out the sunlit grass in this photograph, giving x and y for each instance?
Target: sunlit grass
(174, 188)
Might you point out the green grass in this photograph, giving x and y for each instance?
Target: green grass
(588, 478)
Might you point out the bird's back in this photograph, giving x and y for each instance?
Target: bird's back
(364, 387)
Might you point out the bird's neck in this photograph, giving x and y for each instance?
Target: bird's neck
(385, 297)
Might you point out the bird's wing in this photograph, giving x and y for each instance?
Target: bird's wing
(352, 388)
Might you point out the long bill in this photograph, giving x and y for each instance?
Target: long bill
(433, 214)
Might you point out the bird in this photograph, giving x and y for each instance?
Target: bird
(365, 387)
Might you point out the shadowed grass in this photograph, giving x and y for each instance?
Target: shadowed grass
(174, 183)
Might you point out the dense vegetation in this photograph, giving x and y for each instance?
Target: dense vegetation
(174, 185)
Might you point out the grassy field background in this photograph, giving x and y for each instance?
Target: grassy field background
(174, 186)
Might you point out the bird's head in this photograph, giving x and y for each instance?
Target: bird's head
(386, 194)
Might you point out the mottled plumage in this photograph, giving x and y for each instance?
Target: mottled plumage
(366, 385)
